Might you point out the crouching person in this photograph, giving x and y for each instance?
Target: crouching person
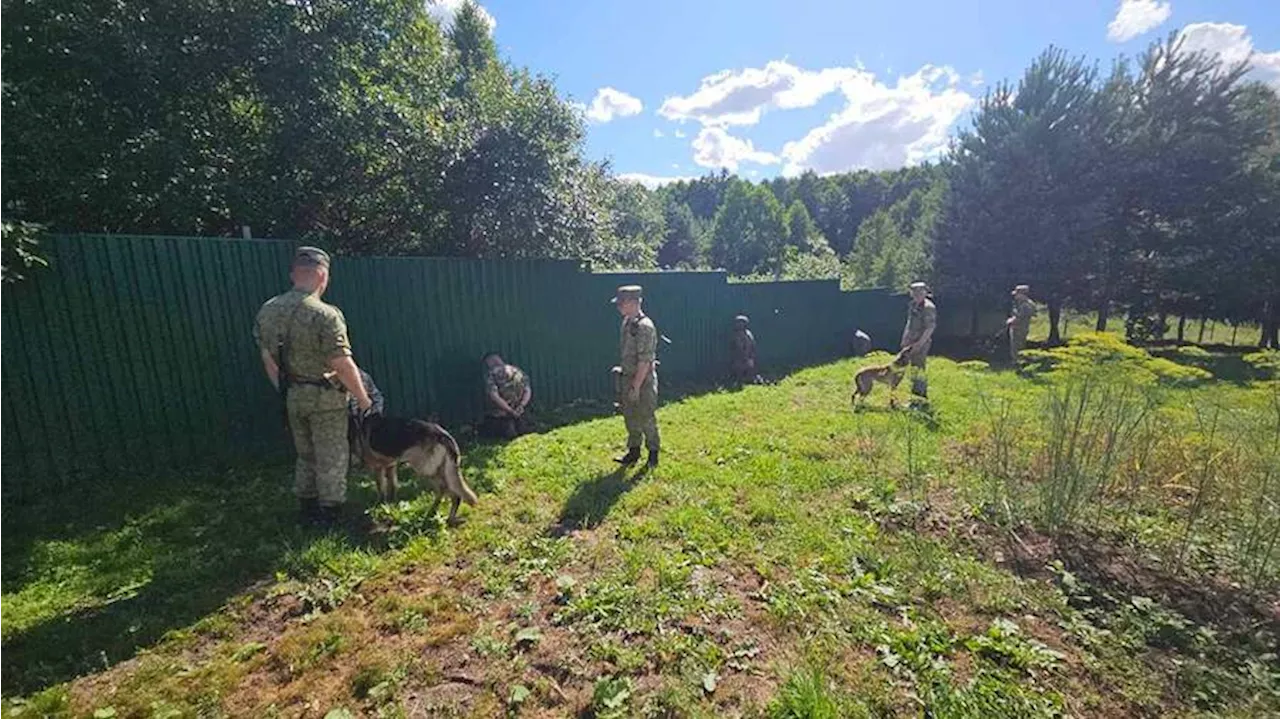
(507, 394)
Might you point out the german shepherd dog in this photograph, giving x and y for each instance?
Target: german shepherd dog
(384, 442)
(890, 374)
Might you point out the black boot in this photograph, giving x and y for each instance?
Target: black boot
(653, 458)
(329, 516)
(308, 511)
(631, 457)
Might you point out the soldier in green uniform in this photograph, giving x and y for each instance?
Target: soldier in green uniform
(507, 391)
(742, 352)
(1019, 323)
(638, 375)
(917, 336)
(307, 356)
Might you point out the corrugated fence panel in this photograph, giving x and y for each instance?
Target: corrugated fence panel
(133, 350)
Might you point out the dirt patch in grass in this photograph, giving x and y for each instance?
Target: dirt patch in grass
(1103, 562)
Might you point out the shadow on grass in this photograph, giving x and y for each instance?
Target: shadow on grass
(592, 500)
(93, 577)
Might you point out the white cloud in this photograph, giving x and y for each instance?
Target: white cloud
(740, 97)
(1233, 45)
(652, 181)
(610, 103)
(1135, 17)
(658, 133)
(883, 127)
(680, 133)
(443, 12)
(716, 148)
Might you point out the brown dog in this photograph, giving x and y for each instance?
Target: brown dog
(427, 447)
(890, 374)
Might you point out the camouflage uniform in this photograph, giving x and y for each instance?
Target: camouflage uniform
(742, 348)
(920, 318)
(1023, 310)
(638, 344)
(313, 333)
(510, 382)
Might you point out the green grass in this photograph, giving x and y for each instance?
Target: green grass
(1216, 333)
(789, 558)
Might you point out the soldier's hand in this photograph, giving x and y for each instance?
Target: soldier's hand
(365, 404)
(634, 393)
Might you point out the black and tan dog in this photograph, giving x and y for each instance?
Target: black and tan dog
(890, 374)
(384, 442)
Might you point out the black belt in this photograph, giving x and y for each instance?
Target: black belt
(324, 383)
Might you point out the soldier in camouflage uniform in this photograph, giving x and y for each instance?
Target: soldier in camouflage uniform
(507, 390)
(917, 336)
(307, 356)
(1020, 323)
(638, 376)
(742, 349)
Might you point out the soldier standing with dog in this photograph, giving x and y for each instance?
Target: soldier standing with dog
(917, 336)
(307, 356)
(637, 376)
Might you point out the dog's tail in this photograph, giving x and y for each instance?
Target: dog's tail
(453, 472)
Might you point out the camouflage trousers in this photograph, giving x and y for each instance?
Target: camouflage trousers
(320, 437)
(1017, 341)
(919, 380)
(639, 414)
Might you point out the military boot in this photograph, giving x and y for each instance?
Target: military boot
(329, 516)
(308, 511)
(653, 458)
(631, 457)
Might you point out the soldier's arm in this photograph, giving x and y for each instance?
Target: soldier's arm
(526, 397)
(646, 349)
(268, 361)
(270, 367)
(499, 402)
(333, 339)
(930, 324)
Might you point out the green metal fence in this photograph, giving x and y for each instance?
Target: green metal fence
(130, 351)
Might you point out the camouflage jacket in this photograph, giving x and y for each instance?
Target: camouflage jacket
(509, 381)
(314, 332)
(637, 344)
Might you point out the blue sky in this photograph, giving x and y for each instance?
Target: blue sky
(764, 88)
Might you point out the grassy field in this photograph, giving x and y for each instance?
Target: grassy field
(1219, 333)
(997, 556)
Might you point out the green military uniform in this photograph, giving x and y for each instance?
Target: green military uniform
(742, 348)
(311, 333)
(510, 382)
(637, 345)
(1023, 310)
(922, 319)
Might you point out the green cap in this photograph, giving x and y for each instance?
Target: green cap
(628, 292)
(311, 256)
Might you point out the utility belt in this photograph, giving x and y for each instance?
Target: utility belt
(321, 383)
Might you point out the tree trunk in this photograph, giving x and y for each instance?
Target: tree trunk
(1182, 327)
(1104, 314)
(1235, 329)
(1162, 321)
(1212, 326)
(1200, 337)
(1055, 313)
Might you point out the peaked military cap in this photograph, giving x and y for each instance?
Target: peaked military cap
(311, 256)
(628, 292)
